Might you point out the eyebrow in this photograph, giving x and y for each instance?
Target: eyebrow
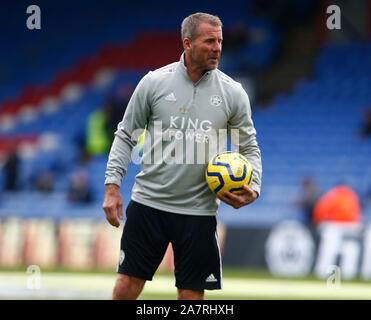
(212, 38)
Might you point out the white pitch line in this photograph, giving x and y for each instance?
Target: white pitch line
(272, 289)
(99, 286)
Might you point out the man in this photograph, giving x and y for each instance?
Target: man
(171, 201)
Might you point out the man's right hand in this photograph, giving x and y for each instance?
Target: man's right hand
(112, 204)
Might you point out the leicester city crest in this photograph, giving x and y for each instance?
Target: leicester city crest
(216, 100)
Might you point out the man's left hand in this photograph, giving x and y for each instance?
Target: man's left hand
(239, 200)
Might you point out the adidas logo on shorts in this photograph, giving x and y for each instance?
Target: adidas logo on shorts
(122, 256)
(211, 278)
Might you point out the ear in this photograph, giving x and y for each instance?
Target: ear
(187, 44)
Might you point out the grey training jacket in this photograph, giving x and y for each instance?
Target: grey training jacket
(187, 123)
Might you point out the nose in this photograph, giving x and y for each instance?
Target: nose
(217, 47)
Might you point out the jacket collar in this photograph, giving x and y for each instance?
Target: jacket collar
(183, 69)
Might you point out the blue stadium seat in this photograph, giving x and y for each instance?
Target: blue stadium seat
(310, 131)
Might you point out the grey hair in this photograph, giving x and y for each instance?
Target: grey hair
(190, 24)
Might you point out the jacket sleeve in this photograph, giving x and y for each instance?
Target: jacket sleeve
(243, 135)
(128, 130)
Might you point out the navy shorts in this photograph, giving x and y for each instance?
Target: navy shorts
(146, 235)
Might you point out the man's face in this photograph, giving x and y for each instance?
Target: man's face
(205, 50)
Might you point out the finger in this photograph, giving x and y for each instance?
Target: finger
(119, 211)
(223, 198)
(248, 190)
(111, 217)
(226, 200)
(242, 199)
(233, 197)
(252, 195)
(114, 221)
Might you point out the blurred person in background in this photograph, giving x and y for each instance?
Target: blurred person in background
(97, 138)
(366, 125)
(340, 204)
(79, 188)
(11, 171)
(338, 221)
(237, 37)
(308, 198)
(115, 106)
(284, 13)
(45, 181)
(102, 123)
(366, 199)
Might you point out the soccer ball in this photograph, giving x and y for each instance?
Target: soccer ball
(228, 171)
